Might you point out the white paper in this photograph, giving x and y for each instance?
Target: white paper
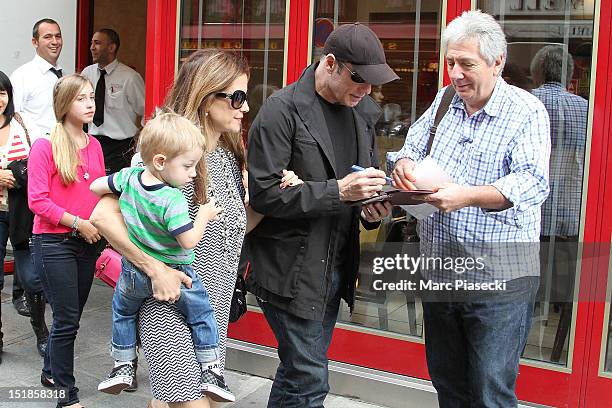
(428, 176)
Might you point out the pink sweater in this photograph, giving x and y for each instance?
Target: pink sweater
(49, 198)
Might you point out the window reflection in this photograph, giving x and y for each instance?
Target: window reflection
(549, 54)
(255, 28)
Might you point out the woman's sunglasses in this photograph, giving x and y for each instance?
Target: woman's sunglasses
(238, 98)
(354, 76)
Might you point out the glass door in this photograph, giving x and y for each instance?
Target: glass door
(388, 323)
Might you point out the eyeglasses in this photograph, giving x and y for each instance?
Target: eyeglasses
(354, 76)
(238, 98)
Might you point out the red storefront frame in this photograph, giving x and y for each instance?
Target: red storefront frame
(582, 386)
(596, 390)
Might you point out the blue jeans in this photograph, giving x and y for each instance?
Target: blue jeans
(474, 346)
(66, 265)
(302, 375)
(4, 231)
(134, 287)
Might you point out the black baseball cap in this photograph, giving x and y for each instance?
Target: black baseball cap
(357, 44)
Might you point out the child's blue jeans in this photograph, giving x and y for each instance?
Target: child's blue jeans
(134, 287)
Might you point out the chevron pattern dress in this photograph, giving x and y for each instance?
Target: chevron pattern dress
(165, 337)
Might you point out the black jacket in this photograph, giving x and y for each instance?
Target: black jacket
(292, 248)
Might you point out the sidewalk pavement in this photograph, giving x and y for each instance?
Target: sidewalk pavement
(21, 363)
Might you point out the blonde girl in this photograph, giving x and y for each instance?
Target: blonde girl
(65, 244)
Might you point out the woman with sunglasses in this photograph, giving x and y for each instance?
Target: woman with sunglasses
(210, 90)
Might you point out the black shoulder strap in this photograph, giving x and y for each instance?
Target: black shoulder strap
(440, 112)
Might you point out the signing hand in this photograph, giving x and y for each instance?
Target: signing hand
(361, 185)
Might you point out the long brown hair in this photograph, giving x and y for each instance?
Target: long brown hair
(65, 150)
(201, 76)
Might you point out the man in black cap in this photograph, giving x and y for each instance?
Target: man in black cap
(305, 251)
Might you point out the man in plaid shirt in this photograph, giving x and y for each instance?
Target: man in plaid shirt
(568, 125)
(494, 142)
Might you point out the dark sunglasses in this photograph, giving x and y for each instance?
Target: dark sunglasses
(354, 76)
(238, 98)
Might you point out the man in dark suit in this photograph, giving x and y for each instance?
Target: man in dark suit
(305, 252)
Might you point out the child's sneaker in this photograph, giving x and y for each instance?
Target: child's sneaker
(134, 386)
(213, 385)
(120, 378)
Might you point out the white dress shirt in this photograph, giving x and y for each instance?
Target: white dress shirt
(123, 101)
(33, 84)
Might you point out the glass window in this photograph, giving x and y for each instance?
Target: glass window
(255, 28)
(549, 54)
(410, 33)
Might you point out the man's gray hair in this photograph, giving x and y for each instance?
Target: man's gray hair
(481, 27)
(548, 63)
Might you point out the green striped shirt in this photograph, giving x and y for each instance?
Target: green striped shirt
(154, 215)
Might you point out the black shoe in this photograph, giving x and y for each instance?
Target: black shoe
(37, 320)
(47, 380)
(134, 386)
(21, 305)
(213, 385)
(119, 379)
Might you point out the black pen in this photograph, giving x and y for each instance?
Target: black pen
(355, 168)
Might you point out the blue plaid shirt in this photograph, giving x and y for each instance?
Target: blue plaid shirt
(568, 124)
(505, 144)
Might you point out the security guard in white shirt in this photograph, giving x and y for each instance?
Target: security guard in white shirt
(33, 82)
(119, 98)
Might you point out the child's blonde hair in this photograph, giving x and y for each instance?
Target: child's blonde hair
(65, 150)
(169, 134)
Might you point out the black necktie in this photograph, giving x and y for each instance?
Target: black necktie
(57, 72)
(100, 92)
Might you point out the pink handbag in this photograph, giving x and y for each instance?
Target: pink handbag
(108, 267)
